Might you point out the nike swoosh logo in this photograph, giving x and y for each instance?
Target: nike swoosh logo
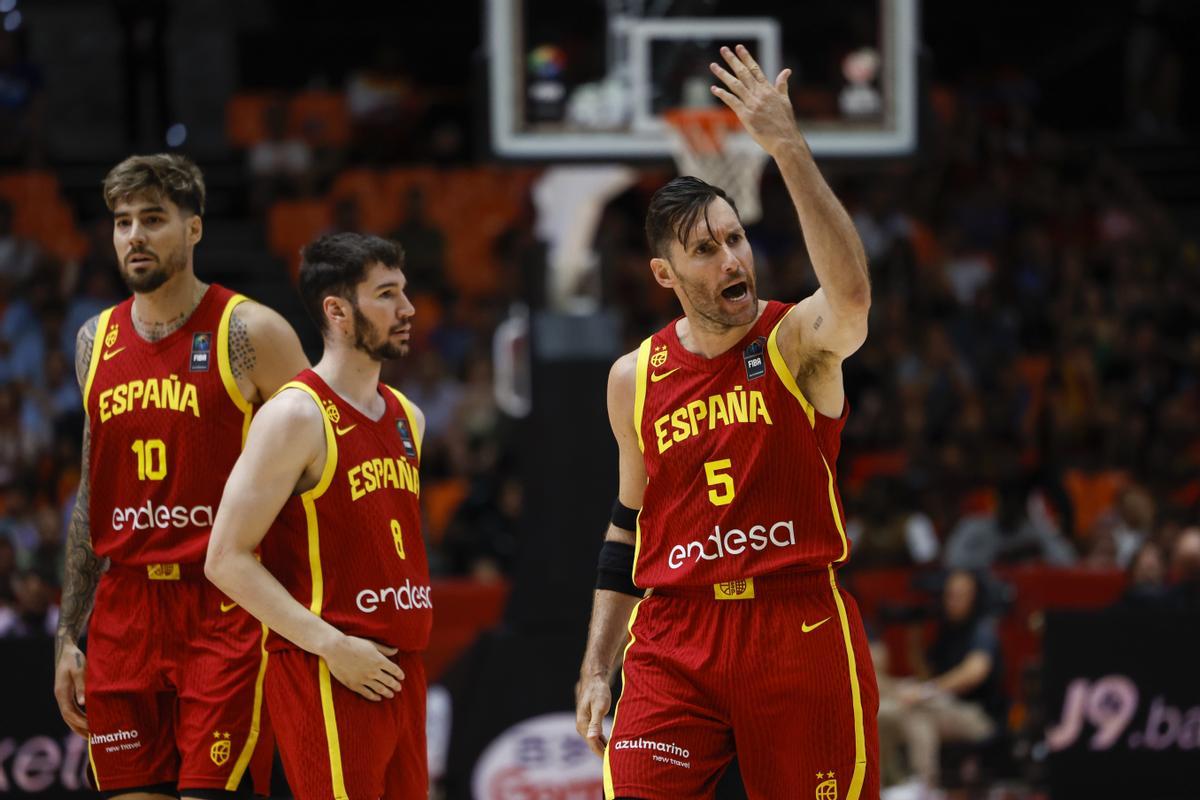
(656, 377)
(806, 628)
(225, 607)
(344, 431)
(106, 356)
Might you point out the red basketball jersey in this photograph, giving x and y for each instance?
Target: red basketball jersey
(350, 548)
(740, 466)
(167, 422)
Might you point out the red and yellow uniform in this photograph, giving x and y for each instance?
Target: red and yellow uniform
(175, 670)
(350, 549)
(746, 635)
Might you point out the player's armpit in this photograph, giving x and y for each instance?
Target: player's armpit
(264, 351)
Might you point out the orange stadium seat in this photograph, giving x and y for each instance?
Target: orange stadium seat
(246, 118)
(291, 224)
(29, 186)
(320, 118)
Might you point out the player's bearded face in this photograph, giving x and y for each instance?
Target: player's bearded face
(150, 235)
(715, 270)
(378, 343)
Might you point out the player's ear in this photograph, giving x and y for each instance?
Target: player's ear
(662, 272)
(195, 229)
(337, 309)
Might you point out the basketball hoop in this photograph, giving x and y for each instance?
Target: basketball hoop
(710, 144)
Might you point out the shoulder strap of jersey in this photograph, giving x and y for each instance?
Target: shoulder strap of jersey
(639, 390)
(94, 359)
(331, 451)
(225, 366)
(784, 373)
(409, 411)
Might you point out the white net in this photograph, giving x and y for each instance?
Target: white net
(725, 157)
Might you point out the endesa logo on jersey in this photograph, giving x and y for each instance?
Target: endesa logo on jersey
(732, 543)
(405, 598)
(151, 517)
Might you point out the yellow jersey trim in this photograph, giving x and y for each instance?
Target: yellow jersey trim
(409, 411)
(308, 499)
(833, 509)
(243, 761)
(639, 404)
(785, 374)
(639, 392)
(226, 368)
(92, 764)
(860, 739)
(331, 732)
(609, 789)
(94, 360)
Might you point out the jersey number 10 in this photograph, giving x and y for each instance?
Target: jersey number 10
(151, 458)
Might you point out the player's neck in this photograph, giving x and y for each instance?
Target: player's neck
(354, 376)
(159, 313)
(709, 340)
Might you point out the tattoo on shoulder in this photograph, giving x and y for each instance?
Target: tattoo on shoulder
(83, 349)
(817, 323)
(242, 357)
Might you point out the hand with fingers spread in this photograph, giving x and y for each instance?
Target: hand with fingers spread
(763, 107)
(592, 700)
(364, 667)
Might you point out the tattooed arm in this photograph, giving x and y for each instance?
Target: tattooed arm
(82, 573)
(264, 351)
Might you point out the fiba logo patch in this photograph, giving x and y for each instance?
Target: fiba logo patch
(331, 411)
(110, 338)
(219, 752)
(201, 351)
(660, 356)
(827, 790)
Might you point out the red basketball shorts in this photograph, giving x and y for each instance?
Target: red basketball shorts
(174, 683)
(782, 678)
(335, 743)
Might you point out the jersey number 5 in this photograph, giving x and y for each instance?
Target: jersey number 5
(718, 476)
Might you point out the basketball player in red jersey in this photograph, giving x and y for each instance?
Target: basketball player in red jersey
(328, 483)
(728, 424)
(172, 699)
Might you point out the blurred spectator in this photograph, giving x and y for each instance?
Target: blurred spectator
(959, 695)
(384, 104)
(280, 165)
(18, 256)
(1133, 520)
(34, 614)
(1185, 571)
(424, 246)
(22, 104)
(1017, 530)
(481, 540)
(1147, 579)
(17, 524)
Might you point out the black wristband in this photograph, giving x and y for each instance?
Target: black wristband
(615, 571)
(624, 518)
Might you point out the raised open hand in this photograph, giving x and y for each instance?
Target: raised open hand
(763, 107)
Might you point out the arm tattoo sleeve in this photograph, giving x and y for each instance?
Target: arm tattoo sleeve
(241, 349)
(83, 568)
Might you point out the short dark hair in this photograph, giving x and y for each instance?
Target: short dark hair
(172, 175)
(333, 265)
(674, 210)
